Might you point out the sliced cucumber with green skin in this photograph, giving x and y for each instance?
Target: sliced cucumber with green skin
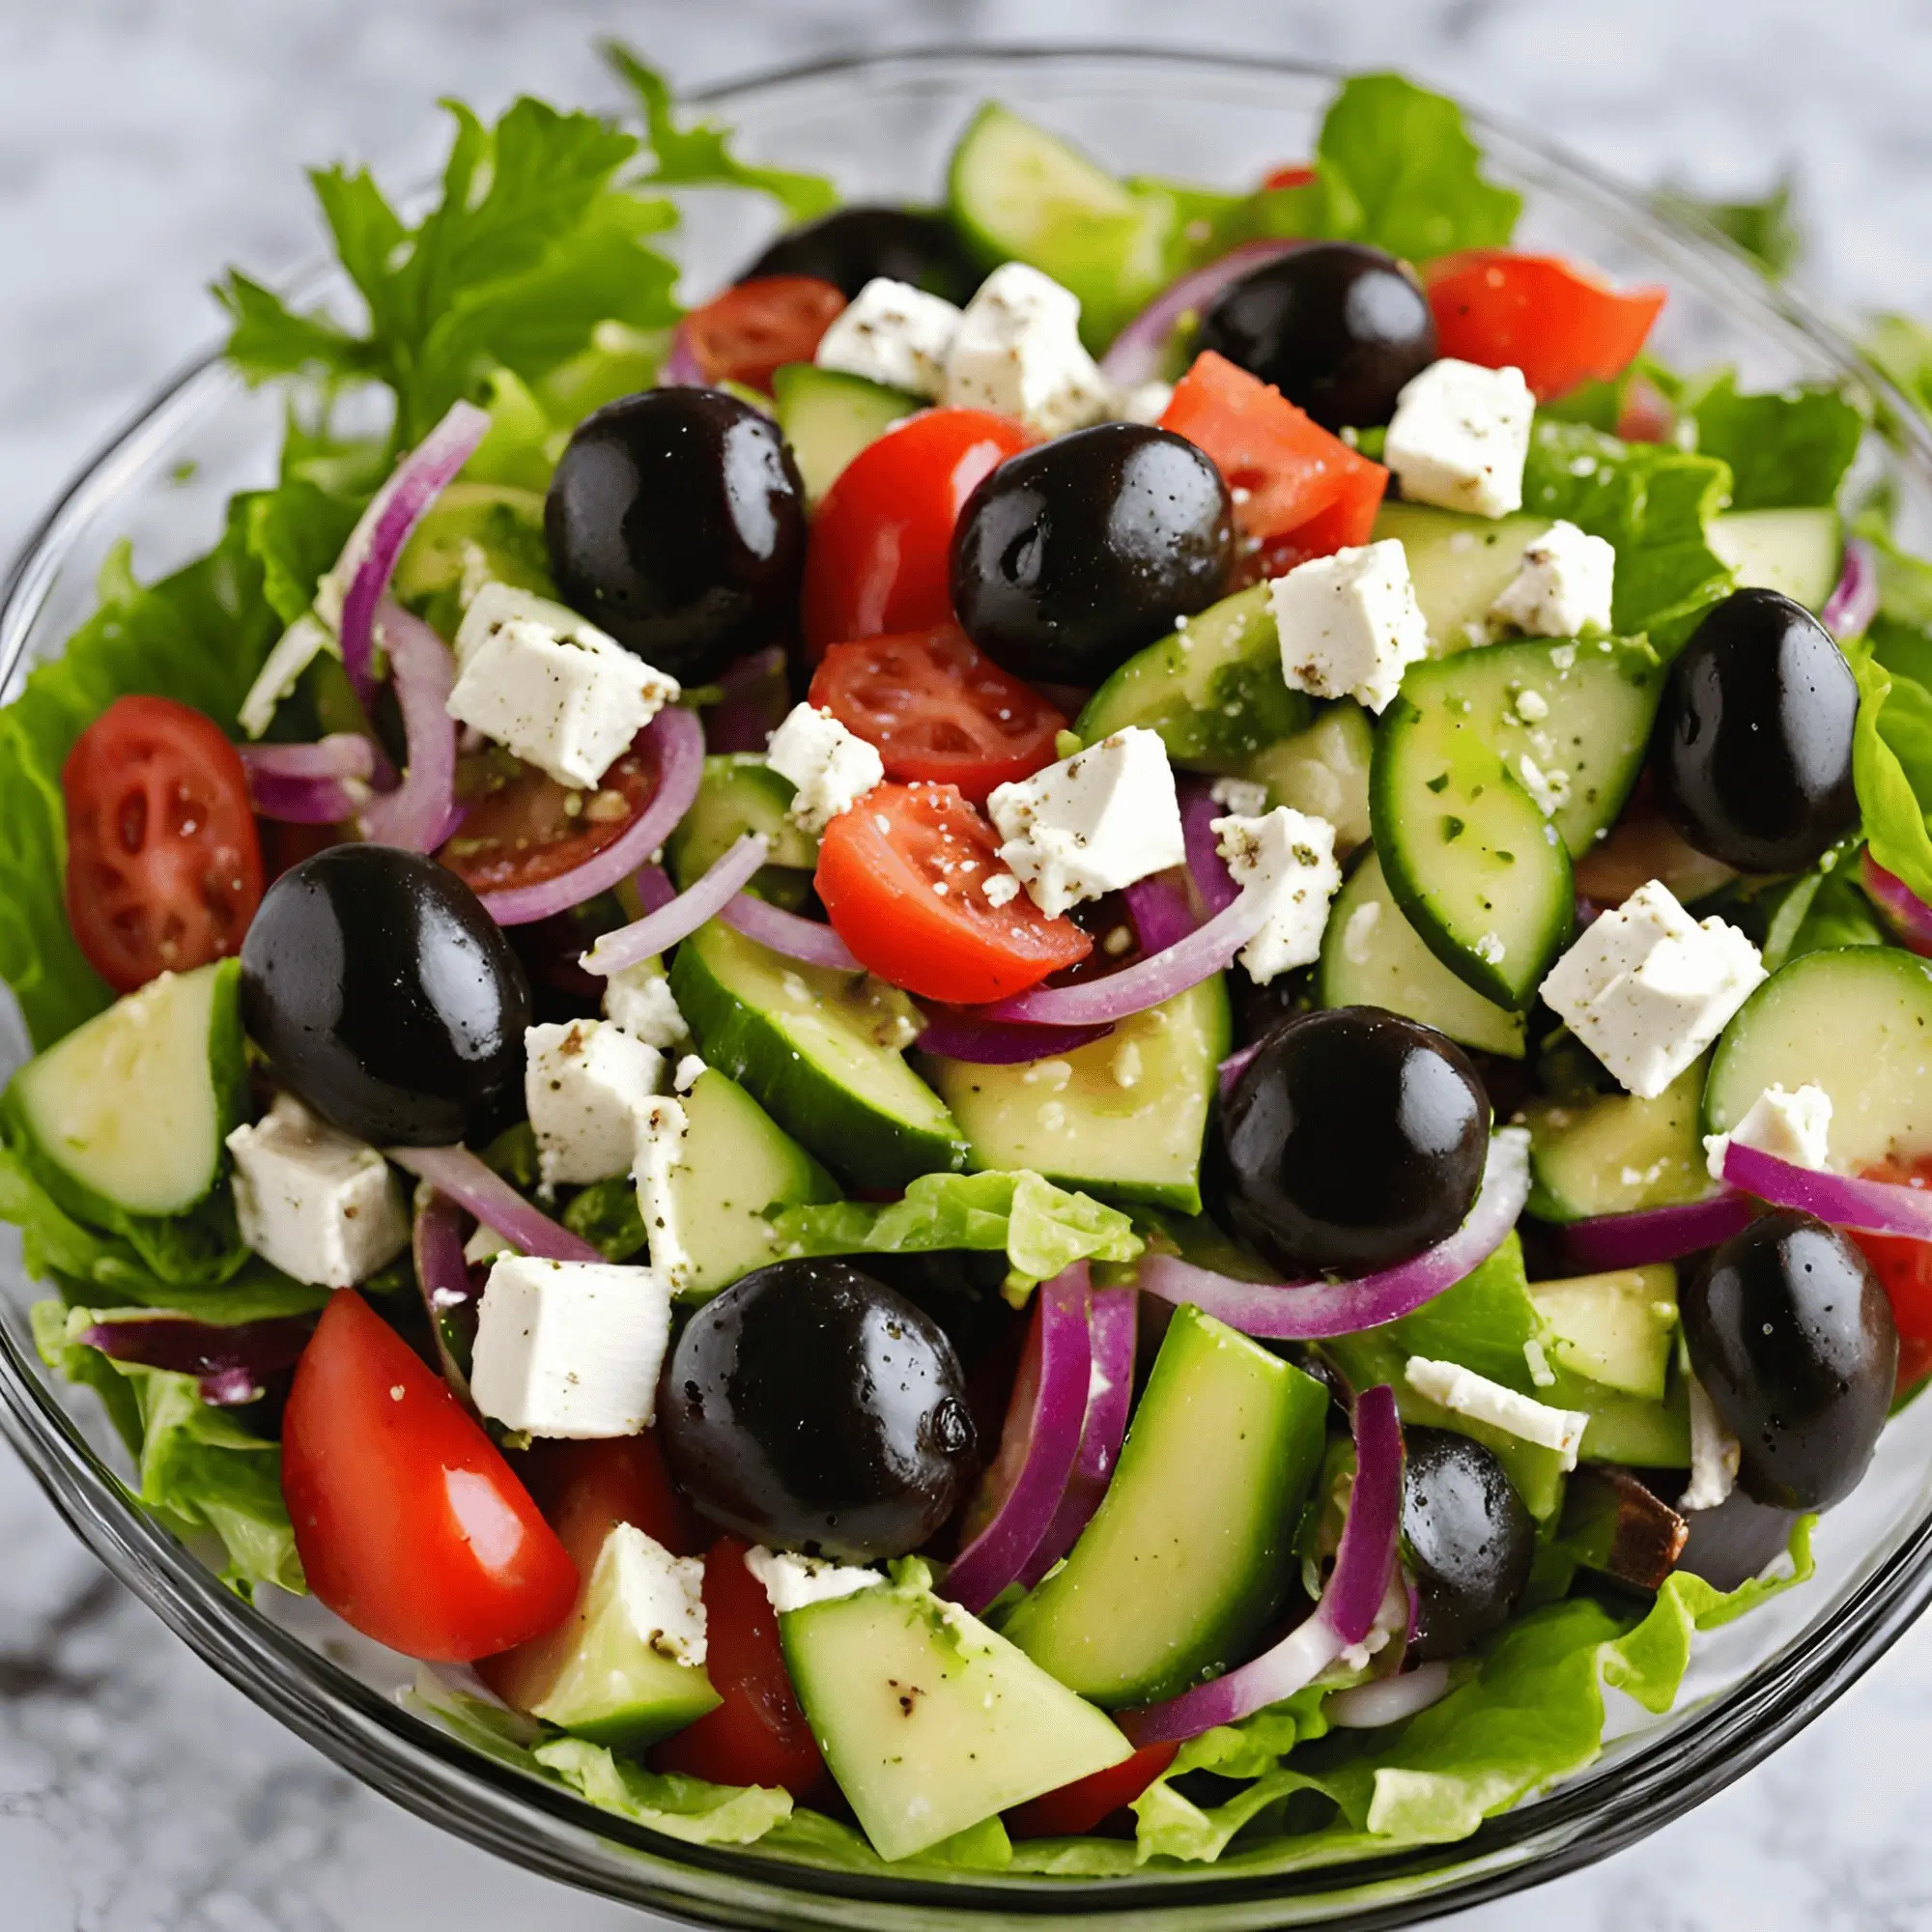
(497, 527)
(1459, 564)
(1192, 1550)
(821, 1052)
(1121, 1117)
(828, 417)
(740, 793)
(1322, 771)
(1798, 552)
(1213, 690)
(1371, 956)
(1639, 1433)
(929, 1720)
(1478, 870)
(1616, 1155)
(1613, 1328)
(1857, 1021)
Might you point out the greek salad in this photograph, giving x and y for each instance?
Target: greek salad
(1079, 1038)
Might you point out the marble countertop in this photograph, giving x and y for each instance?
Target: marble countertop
(145, 143)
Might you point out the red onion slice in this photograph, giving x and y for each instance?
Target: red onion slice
(1854, 601)
(1211, 878)
(1907, 915)
(785, 932)
(653, 887)
(680, 368)
(958, 1033)
(678, 741)
(995, 1557)
(479, 1190)
(1388, 1701)
(1654, 1234)
(1137, 352)
(342, 755)
(678, 919)
(754, 702)
(307, 801)
(1872, 1206)
(422, 812)
(442, 1276)
(1160, 910)
(232, 1362)
(1235, 1065)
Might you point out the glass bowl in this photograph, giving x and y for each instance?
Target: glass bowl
(883, 127)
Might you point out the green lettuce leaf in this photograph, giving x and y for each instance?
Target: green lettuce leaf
(296, 532)
(1902, 349)
(1788, 449)
(1765, 230)
(689, 1808)
(1891, 769)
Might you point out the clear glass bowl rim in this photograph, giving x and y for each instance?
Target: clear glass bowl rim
(549, 1830)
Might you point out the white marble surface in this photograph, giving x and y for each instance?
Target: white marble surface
(145, 143)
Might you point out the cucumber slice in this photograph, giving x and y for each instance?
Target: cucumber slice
(1613, 1328)
(1322, 771)
(1477, 869)
(1120, 1117)
(929, 1721)
(1853, 1020)
(1798, 552)
(1640, 1435)
(1616, 1155)
(1213, 690)
(1459, 564)
(1371, 957)
(740, 793)
(127, 1116)
(496, 528)
(1192, 1550)
(828, 417)
(820, 1051)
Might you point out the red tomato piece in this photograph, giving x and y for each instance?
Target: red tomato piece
(1296, 174)
(1079, 1806)
(1556, 321)
(408, 1520)
(903, 881)
(1904, 1269)
(877, 560)
(163, 860)
(751, 330)
(939, 709)
(757, 1735)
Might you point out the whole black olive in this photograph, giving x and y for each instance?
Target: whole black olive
(1467, 1538)
(1337, 327)
(386, 997)
(1733, 1543)
(1752, 754)
(1069, 557)
(676, 522)
(1353, 1139)
(1791, 1334)
(809, 1407)
(852, 245)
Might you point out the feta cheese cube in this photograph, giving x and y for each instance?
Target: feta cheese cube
(1350, 624)
(792, 1582)
(1715, 1453)
(570, 1349)
(1092, 823)
(661, 1597)
(894, 333)
(551, 688)
(1141, 402)
(639, 1000)
(319, 1203)
(1461, 437)
(1018, 354)
(1647, 990)
(659, 1153)
(1288, 860)
(1562, 587)
(586, 1085)
(1242, 797)
(1463, 1392)
(1792, 1126)
(832, 767)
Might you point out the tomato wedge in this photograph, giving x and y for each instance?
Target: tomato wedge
(1556, 321)
(408, 1520)
(1292, 174)
(1079, 1806)
(1904, 1269)
(903, 879)
(938, 709)
(163, 860)
(877, 560)
(750, 331)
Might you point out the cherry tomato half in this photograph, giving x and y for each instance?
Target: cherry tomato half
(1904, 1269)
(877, 559)
(1556, 321)
(750, 331)
(939, 709)
(408, 1520)
(904, 878)
(1079, 1806)
(163, 860)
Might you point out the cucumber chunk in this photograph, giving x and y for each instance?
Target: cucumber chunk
(1616, 1155)
(929, 1721)
(740, 793)
(496, 528)
(1798, 552)
(1459, 564)
(1322, 771)
(1614, 1328)
(1121, 1117)
(1192, 1550)
(821, 1052)
(1639, 1433)
(828, 417)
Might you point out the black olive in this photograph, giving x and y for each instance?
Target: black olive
(1732, 1543)
(1336, 326)
(386, 997)
(807, 1406)
(1069, 557)
(1353, 1139)
(1467, 1538)
(1752, 755)
(852, 245)
(676, 522)
(1792, 1337)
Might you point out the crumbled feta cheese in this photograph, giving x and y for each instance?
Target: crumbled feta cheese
(1791, 1127)
(687, 1070)
(586, 1086)
(1538, 1364)
(1562, 587)
(795, 1582)
(485, 1244)
(295, 650)
(1715, 1453)
(1461, 436)
(1349, 623)
(570, 1349)
(659, 1152)
(1002, 889)
(894, 333)
(1018, 354)
(1463, 1392)
(1531, 706)
(1092, 823)
(661, 1596)
(639, 1000)
(832, 767)
(1142, 402)
(1551, 790)
(551, 688)
(1289, 859)
(1359, 936)
(319, 1203)
(1242, 797)
(1647, 990)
